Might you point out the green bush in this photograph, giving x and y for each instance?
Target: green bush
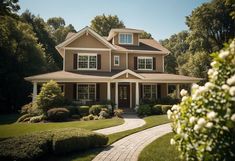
(165, 108)
(91, 117)
(144, 110)
(24, 118)
(36, 119)
(95, 109)
(58, 114)
(76, 117)
(157, 109)
(83, 110)
(74, 140)
(50, 96)
(168, 101)
(118, 113)
(26, 147)
(104, 115)
(73, 110)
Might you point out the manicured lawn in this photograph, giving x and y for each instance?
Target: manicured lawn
(23, 128)
(160, 150)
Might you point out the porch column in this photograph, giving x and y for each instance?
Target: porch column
(130, 95)
(108, 91)
(34, 91)
(177, 91)
(137, 92)
(116, 94)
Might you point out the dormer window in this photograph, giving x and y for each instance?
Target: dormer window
(125, 38)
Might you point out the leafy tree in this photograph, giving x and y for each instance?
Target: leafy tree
(8, 7)
(146, 35)
(56, 22)
(211, 25)
(102, 24)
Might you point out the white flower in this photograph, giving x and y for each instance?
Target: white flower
(233, 117)
(172, 141)
(232, 91)
(231, 80)
(210, 71)
(223, 54)
(201, 122)
(213, 64)
(169, 114)
(184, 98)
(196, 127)
(225, 128)
(178, 130)
(175, 107)
(183, 92)
(211, 115)
(209, 85)
(225, 87)
(195, 86)
(192, 119)
(209, 125)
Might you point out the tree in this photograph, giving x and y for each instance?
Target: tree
(211, 25)
(146, 35)
(56, 22)
(8, 7)
(102, 24)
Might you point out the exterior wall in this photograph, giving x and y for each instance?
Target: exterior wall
(113, 92)
(163, 90)
(103, 91)
(87, 41)
(135, 39)
(68, 91)
(122, 63)
(129, 77)
(105, 57)
(159, 61)
(133, 95)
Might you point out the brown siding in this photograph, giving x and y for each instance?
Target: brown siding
(105, 56)
(103, 91)
(68, 93)
(135, 39)
(163, 90)
(122, 63)
(113, 92)
(87, 41)
(159, 61)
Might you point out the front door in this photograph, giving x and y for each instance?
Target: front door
(124, 96)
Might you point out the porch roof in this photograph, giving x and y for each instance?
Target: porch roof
(93, 76)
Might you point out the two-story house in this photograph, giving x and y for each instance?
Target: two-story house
(121, 67)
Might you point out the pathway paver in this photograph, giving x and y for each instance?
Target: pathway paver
(129, 148)
(131, 122)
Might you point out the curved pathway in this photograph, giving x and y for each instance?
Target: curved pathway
(131, 122)
(129, 148)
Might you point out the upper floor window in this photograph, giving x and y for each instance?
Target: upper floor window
(145, 63)
(125, 38)
(87, 61)
(116, 60)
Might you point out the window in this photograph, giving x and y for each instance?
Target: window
(145, 63)
(87, 61)
(86, 91)
(116, 60)
(125, 38)
(149, 91)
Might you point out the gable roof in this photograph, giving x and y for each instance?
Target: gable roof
(113, 32)
(127, 71)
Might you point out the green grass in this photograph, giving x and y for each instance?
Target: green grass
(160, 150)
(15, 129)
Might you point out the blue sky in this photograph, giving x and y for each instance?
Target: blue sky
(161, 18)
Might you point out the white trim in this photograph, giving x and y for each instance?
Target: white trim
(35, 91)
(116, 94)
(87, 54)
(130, 95)
(88, 89)
(167, 89)
(118, 57)
(126, 60)
(125, 33)
(127, 71)
(108, 91)
(110, 61)
(144, 57)
(137, 92)
(141, 52)
(87, 49)
(64, 61)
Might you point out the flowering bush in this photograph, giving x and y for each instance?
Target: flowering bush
(204, 122)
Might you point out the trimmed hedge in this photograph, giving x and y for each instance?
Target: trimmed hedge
(58, 114)
(157, 109)
(144, 110)
(60, 141)
(83, 110)
(95, 109)
(147, 110)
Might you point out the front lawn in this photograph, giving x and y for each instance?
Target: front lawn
(23, 128)
(160, 150)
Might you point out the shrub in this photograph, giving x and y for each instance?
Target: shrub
(26, 108)
(85, 118)
(95, 109)
(144, 110)
(103, 114)
(31, 108)
(204, 121)
(168, 101)
(73, 140)
(118, 113)
(73, 110)
(91, 117)
(24, 118)
(26, 147)
(76, 117)
(83, 110)
(36, 119)
(165, 108)
(58, 114)
(50, 96)
(156, 110)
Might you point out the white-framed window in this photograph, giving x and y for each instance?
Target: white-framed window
(86, 92)
(145, 63)
(149, 91)
(87, 61)
(125, 38)
(116, 60)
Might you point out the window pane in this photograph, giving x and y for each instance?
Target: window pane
(82, 61)
(149, 63)
(147, 91)
(129, 39)
(116, 60)
(92, 61)
(92, 92)
(82, 92)
(154, 92)
(125, 38)
(141, 63)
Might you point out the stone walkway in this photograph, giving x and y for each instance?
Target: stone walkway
(131, 122)
(129, 148)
